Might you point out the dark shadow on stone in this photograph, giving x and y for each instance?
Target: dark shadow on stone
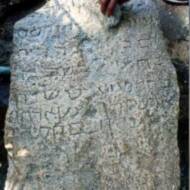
(5, 52)
(10, 12)
(3, 152)
(171, 26)
(174, 31)
(183, 124)
(16, 10)
(4, 94)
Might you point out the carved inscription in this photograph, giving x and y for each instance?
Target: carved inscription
(93, 106)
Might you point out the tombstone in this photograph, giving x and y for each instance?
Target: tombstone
(94, 100)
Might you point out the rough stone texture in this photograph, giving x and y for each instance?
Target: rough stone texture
(174, 22)
(94, 104)
(175, 26)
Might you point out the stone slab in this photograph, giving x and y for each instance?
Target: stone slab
(94, 101)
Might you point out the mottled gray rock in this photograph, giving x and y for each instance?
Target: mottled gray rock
(174, 21)
(92, 106)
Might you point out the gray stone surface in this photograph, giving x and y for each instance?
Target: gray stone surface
(94, 102)
(174, 22)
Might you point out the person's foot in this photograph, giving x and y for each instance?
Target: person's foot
(177, 2)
